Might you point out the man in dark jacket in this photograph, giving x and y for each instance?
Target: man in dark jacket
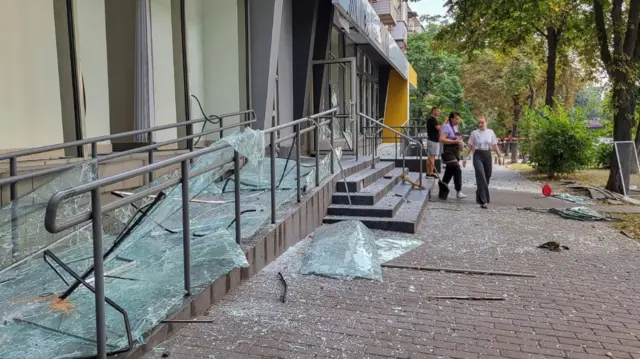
(433, 140)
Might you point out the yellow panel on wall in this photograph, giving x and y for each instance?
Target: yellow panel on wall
(397, 107)
(413, 78)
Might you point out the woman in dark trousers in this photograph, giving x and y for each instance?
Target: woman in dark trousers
(452, 145)
(481, 142)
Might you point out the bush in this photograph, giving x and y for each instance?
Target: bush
(560, 144)
(604, 153)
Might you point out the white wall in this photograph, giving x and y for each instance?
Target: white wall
(163, 69)
(195, 55)
(91, 49)
(28, 75)
(214, 64)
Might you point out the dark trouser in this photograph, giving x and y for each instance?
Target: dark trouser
(482, 164)
(453, 170)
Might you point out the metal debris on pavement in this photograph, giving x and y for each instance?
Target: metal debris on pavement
(459, 270)
(283, 298)
(553, 246)
(436, 297)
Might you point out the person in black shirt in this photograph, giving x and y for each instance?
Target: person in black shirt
(433, 141)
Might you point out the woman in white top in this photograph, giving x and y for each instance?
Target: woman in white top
(481, 142)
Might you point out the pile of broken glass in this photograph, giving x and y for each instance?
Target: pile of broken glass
(47, 313)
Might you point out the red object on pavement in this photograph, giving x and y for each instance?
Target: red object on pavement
(546, 190)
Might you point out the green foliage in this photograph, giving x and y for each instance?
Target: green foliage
(559, 144)
(438, 76)
(604, 153)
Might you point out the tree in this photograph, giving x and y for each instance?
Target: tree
(508, 24)
(438, 75)
(620, 54)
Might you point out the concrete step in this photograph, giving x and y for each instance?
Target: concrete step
(406, 219)
(385, 208)
(364, 178)
(413, 163)
(371, 194)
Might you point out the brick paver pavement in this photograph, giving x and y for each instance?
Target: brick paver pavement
(584, 302)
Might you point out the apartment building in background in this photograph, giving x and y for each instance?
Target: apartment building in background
(74, 69)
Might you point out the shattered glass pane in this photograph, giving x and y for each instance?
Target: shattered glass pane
(349, 250)
(22, 229)
(144, 272)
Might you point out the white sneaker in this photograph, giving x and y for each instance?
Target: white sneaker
(461, 195)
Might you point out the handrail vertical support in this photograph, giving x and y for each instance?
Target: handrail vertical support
(98, 262)
(272, 140)
(221, 126)
(15, 242)
(357, 133)
(236, 177)
(150, 154)
(13, 171)
(371, 130)
(94, 150)
(298, 190)
(331, 122)
(316, 149)
(186, 226)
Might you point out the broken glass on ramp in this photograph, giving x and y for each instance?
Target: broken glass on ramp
(144, 268)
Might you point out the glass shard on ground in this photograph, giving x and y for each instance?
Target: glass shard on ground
(349, 250)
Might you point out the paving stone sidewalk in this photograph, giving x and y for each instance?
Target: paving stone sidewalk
(584, 302)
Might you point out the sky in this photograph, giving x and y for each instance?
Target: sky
(428, 7)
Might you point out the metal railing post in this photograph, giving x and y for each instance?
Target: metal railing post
(236, 177)
(371, 143)
(357, 133)
(272, 139)
(186, 226)
(15, 237)
(333, 118)
(98, 263)
(221, 126)
(395, 141)
(298, 190)
(13, 171)
(94, 150)
(150, 154)
(316, 148)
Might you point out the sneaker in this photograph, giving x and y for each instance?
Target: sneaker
(461, 195)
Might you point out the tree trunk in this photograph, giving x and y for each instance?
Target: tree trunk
(514, 131)
(622, 127)
(552, 55)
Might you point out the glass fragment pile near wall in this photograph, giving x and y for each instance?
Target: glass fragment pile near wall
(144, 274)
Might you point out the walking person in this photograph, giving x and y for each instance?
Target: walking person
(452, 146)
(433, 141)
(481, 142)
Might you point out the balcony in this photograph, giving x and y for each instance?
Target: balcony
(388, 11)
(362, 15)
(399, 32)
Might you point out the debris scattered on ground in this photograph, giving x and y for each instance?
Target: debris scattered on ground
(598, 193)
(576, 213)
(283, 298)
(187, 321)
(462, 298)
(459, 270)
(573, 199)
(626, 234)
(553, 246)
(165, 354)
(568, 181)
(349, 250)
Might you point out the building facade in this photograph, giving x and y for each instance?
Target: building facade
(74, 69)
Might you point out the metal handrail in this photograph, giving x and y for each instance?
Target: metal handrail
(115, 155)
(408, 138)
(13, 156)
(95, 214)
